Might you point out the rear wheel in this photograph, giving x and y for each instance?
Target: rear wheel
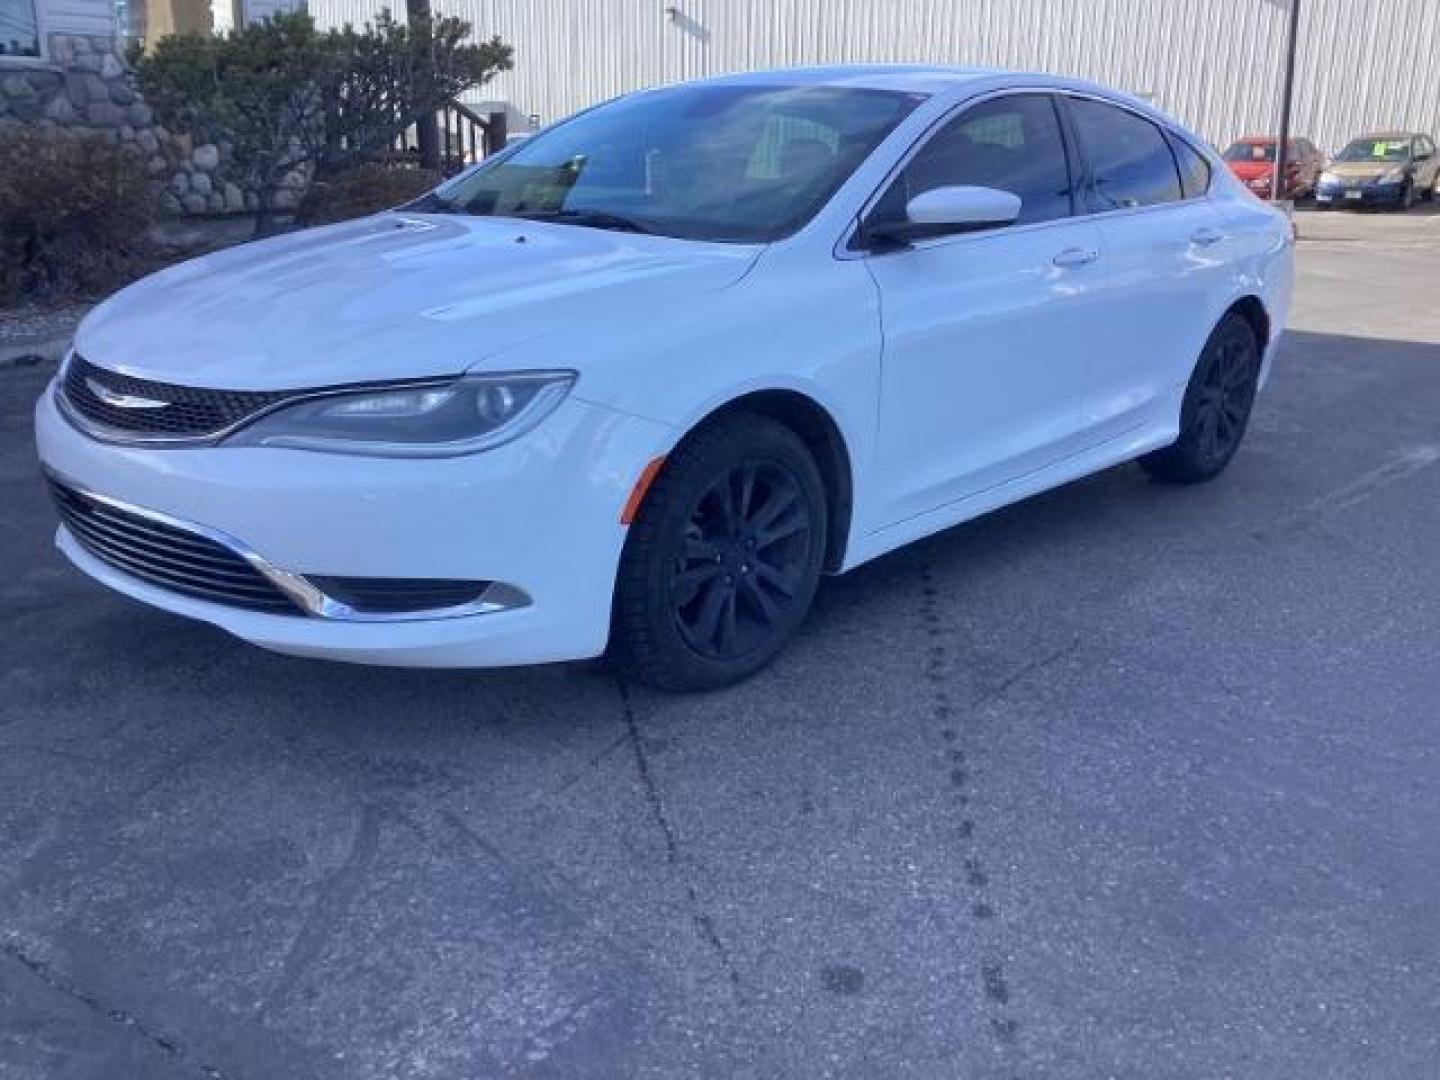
(723, 558)
(1216, 408)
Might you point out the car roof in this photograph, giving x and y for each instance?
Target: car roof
(937, 80)
(1268, 140)
(1378, 135)
(907, 78)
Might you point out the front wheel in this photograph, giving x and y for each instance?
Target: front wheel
(1216, 408)
(724, 557)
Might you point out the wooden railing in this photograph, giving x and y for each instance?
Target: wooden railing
(457, 138)
(466, 137)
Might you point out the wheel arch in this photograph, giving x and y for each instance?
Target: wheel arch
(818, 429)
(1252, 309)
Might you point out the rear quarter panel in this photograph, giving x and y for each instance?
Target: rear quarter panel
(1260, 251)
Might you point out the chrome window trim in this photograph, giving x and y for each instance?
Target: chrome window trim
(311, 600)
(1176, 137)
(1167, 133)
(843, 250)
(842, 246)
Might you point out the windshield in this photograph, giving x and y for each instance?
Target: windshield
(1251, 151)
(730, 163)
(1376, 150)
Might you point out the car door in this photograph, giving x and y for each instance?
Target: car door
(1164, 248)
(991, 338)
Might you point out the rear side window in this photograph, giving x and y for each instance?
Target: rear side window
(1194, 169)
(1130, 160)
(1012, 143)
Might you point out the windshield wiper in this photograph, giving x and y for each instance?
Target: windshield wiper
(594, 219)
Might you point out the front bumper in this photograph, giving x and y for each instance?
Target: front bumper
(1372, 193)
(541, 514)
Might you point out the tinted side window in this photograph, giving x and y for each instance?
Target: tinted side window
(1012, 143)
(1194, 169)
(1130, 162)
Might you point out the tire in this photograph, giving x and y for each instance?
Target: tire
(723, 559)
(1407, 196)
(1216, 409)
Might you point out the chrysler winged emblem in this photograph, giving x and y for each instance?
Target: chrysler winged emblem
(122, 401)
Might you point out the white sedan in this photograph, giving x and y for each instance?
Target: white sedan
(639, 381)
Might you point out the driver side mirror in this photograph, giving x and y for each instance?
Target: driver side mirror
(945, 211)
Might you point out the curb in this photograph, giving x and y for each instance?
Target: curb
(33, 354)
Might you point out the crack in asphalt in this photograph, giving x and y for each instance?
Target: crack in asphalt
(1400, 467)
(593, 763)
(331, 903)
(121, 1017)
(999, 690)
(174, 765)
(703, 922)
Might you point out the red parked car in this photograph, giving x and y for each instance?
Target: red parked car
(1252, 160)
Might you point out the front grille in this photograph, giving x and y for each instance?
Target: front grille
(187, 412)
(167, 555)
(396, 596)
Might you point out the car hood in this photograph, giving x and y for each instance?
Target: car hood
(1360, 170)
(397, 295)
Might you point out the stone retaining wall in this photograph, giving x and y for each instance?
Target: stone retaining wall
(84, 86)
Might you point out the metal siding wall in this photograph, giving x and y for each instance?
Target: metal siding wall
(1213, 63)
(93, 17)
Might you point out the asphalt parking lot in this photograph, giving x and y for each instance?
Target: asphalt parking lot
(1126, 781)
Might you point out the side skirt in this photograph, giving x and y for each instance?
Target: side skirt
(1115, 451)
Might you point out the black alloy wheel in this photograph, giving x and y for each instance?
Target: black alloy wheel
(1225, 398)
(1216, 408)
(744, 557)
(723, 558)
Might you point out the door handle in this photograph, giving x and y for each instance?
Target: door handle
(1205, 236)
(1076, 256)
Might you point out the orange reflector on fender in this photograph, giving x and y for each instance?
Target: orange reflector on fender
(642, 485)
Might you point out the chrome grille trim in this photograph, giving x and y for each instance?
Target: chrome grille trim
(115, 407)
(70, 389)
(176, 555)
(125, 536)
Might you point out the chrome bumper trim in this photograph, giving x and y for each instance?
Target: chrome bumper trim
(311, 600)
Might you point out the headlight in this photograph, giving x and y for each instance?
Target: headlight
(1329, 178)
(432, 419)
(1394, 176)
